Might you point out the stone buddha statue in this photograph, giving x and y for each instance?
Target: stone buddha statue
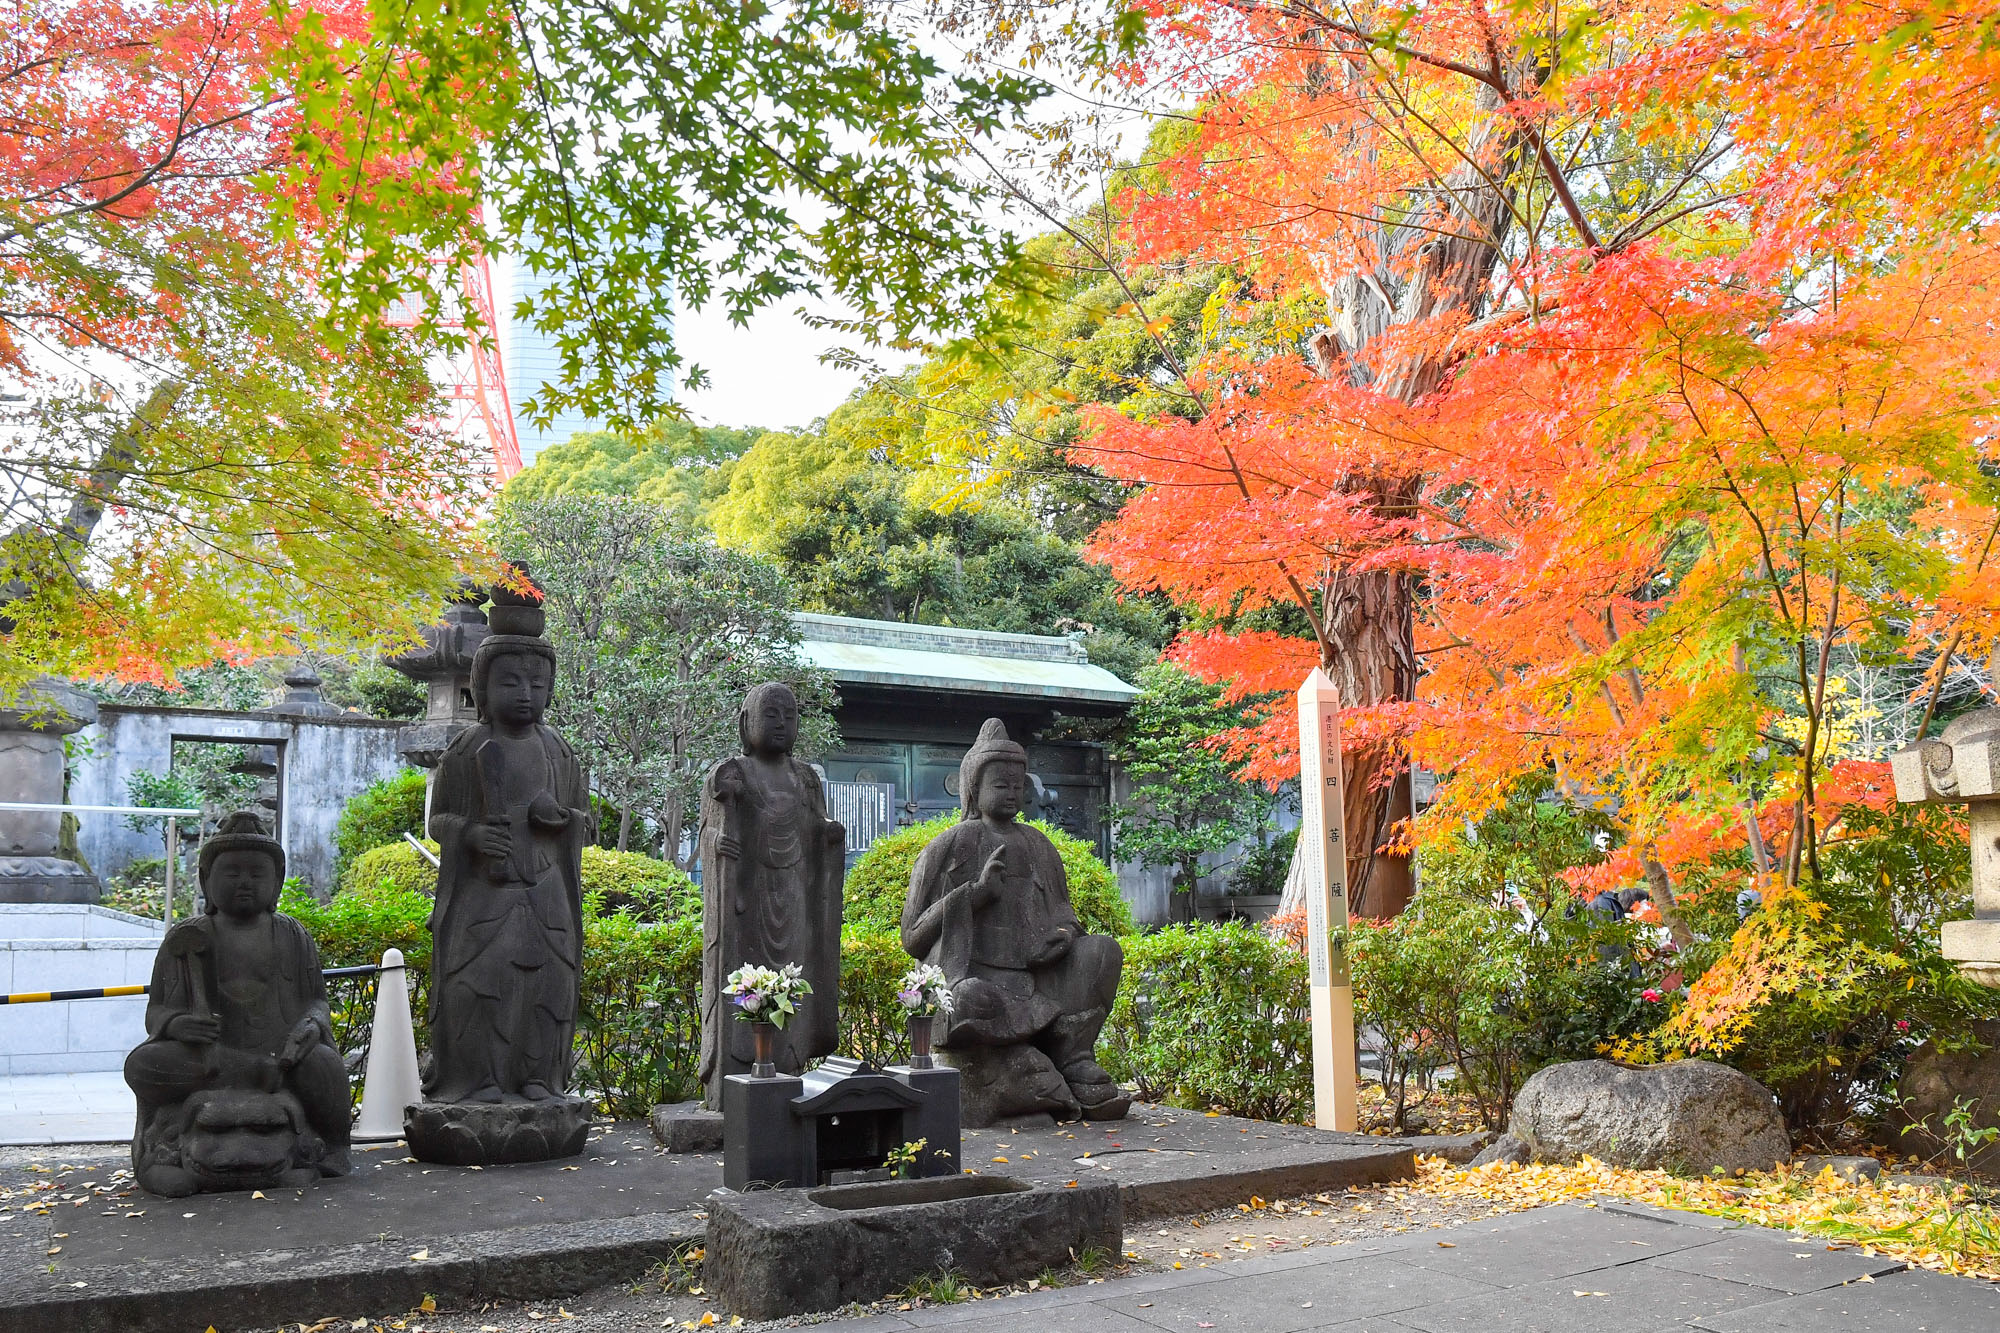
(238, 1082)
(989, 904)
(772, 864)
(510, 815)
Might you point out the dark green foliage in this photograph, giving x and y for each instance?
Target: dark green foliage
(386, 692)
(638, 1033)
(638, 1037)
(1262, 870)
(1456, 982)
(1213, 1018)
(382, 813)
(1188, 800)
(880, 881)
(871, 1019)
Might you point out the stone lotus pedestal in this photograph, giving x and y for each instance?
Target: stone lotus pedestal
(1963, 765)
(493, 1133)
(32, 866)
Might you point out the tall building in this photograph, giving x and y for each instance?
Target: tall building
(532, 360)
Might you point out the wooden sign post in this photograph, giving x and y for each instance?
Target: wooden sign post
(1323, 862)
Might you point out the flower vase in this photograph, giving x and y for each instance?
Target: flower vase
(920, 1041)
(763, 1047)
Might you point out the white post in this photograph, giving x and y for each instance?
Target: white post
(1323, 859)
(391, 1082)
(173, 859)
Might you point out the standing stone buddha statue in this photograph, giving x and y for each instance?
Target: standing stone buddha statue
(989, 904)
(510, 815)
(771, 863)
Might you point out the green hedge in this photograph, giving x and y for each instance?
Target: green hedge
(1213, 1018)
(382, 813)
(619, 881)
(880, 880)
(638, 1038)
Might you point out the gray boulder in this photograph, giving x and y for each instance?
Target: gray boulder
(1933, 1081)
(1689, 1116)
(1506, 1149)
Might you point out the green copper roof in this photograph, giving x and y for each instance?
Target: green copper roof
(969, 661)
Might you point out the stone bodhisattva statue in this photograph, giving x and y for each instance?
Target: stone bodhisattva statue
(772, 864)
(989, 903)
(510, 816)
(238, 1081)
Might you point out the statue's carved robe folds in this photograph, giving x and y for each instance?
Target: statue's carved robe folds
(776, 901)
(259, 989)
(506, 933)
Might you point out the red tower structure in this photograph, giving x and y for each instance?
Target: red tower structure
(474, 383)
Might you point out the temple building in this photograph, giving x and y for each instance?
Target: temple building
(912, 698)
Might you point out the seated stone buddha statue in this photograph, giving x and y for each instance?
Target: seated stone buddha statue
(239, 1084)
(989, 904)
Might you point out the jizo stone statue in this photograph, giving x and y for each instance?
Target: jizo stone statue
(772, 864)
(989, 903)
(238, 1082)
(510, 815)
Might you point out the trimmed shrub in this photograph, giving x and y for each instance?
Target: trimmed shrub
(1213, 1018)
(381, 814)
(615, 881)
(880, 880)
(635, 883)
(871, 1019)
(393, 865)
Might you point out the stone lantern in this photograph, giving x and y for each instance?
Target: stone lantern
(444, 667)
(33, 868)
(1963, 766)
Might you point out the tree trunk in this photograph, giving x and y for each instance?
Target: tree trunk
(625, 828)
(1367, 635)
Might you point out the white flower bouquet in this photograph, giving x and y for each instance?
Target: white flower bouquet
(924, 992)
(765, 994)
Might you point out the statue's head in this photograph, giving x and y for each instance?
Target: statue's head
(512, 677)
(242, 867)
(993, 776)
(769, 719)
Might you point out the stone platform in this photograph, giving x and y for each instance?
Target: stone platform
(397, 1230)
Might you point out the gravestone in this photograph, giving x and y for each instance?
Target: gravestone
(35, 866)
(772, 863)
(238, 1082)
(989, 904)
(510, 814)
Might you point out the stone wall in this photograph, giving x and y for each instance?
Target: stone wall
(71, 946)
(322, 762)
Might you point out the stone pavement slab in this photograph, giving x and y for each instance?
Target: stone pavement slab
(1630, 1298)
(1300, 1298)
(1553, 1243)
(1908, 1302)
(1666, 1284)
(1780, 1263)
(41, 1109)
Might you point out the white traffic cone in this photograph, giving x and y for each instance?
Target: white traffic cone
(390, 1083)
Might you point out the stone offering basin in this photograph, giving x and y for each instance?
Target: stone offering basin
(773, 1253)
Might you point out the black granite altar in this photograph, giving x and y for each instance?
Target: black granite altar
(989, 904)
(238, 1082)
(836, 1123)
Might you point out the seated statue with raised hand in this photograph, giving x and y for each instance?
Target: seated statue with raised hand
(989, 904)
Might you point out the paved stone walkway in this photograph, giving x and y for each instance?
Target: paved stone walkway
(65, 1108)
(1571, 1269)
